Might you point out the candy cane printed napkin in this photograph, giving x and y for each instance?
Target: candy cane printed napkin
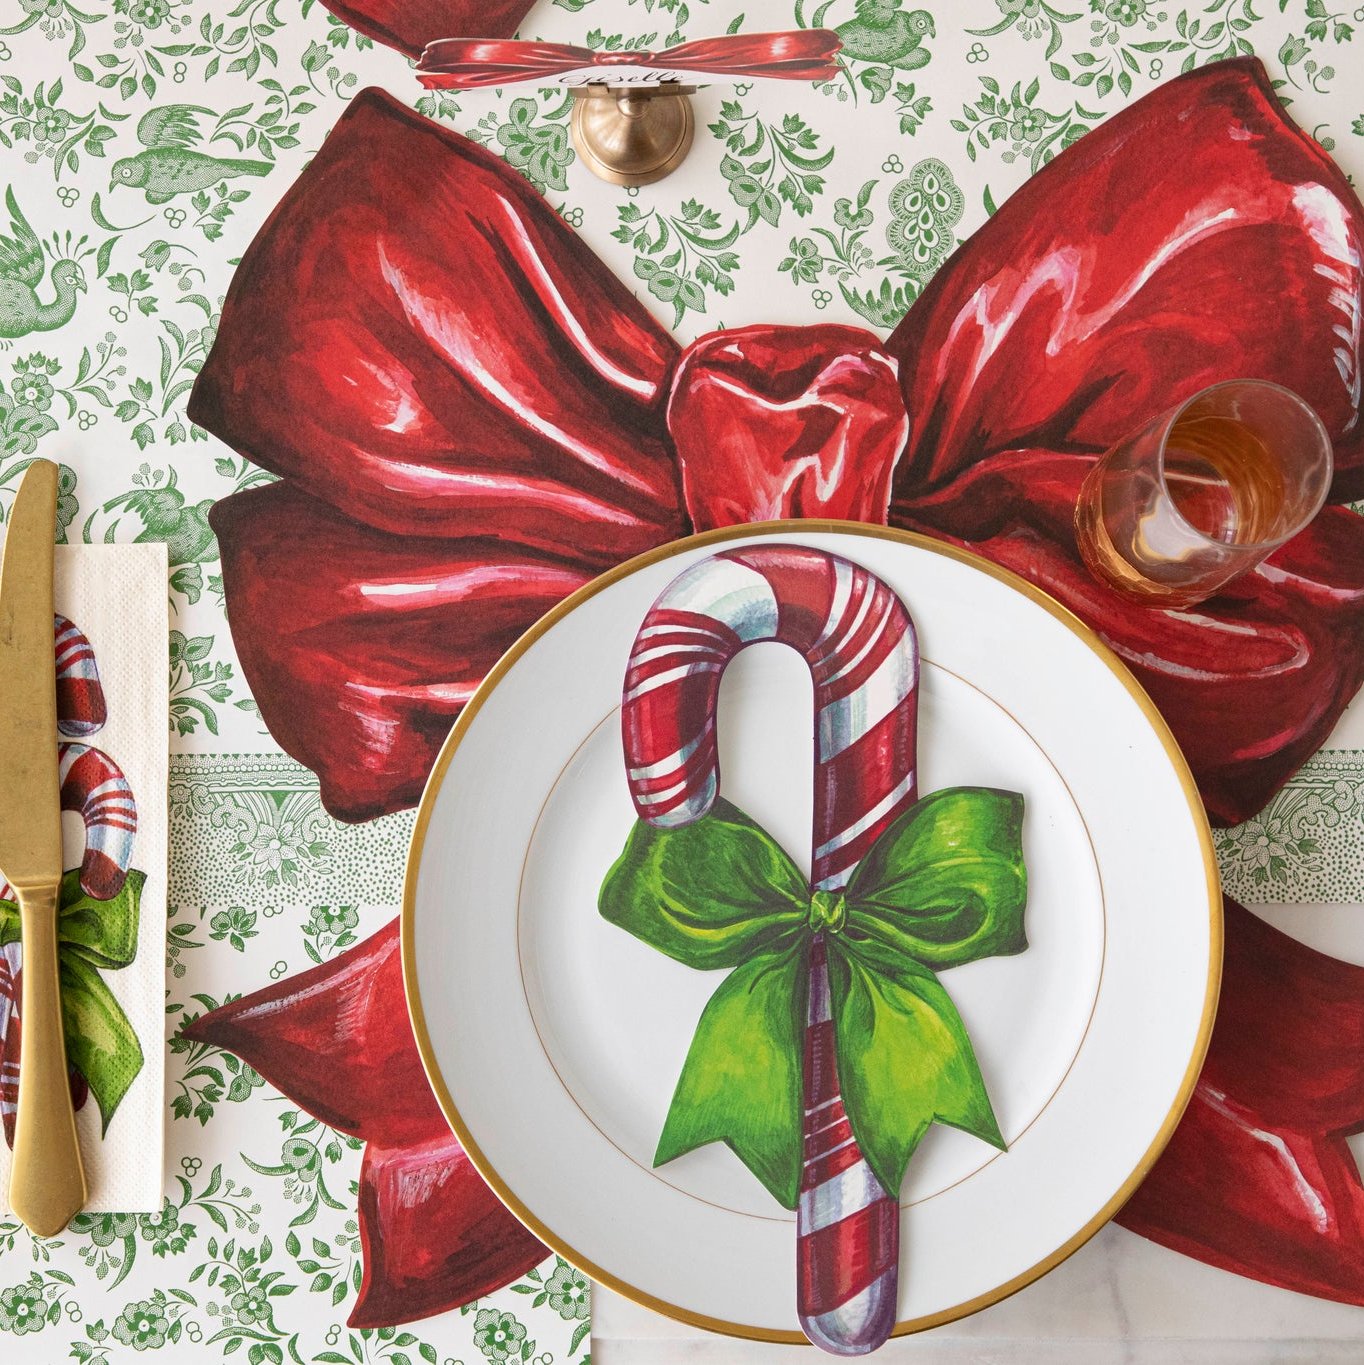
(110, 650)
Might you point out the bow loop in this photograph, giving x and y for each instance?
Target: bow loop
(103, 932)
(945, 884)
(410, 25)
(772, 422)
(453, 360)
(710, 894)
(1197, 236)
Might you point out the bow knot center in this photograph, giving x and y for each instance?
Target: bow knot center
(828, 911)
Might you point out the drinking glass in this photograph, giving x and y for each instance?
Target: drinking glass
(1203, 493)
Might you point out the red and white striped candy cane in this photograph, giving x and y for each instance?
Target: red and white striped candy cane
(10, 959)
(859, 643)
(94, 787)
(81, 709)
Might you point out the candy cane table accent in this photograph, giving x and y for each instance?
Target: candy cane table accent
(860, 646)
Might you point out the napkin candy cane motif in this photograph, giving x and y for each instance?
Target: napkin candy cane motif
(1027, 354)
(94, 787)
(859, 643)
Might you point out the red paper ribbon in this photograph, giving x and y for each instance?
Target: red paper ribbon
(468, 63)
(471, 416)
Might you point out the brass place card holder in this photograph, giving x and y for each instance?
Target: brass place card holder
(632, 135)
(632, 115)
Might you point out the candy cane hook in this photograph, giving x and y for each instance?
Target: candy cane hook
(859, 643)
(81, 709)
(94, 787)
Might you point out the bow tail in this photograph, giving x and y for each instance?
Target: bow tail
(434, 1235)
(1258, 1178)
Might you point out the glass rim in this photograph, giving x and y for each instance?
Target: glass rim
(1167, 426)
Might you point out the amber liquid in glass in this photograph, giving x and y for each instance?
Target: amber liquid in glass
(1222, 480)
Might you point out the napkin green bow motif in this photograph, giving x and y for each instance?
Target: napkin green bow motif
(94, 936)
(944, 885)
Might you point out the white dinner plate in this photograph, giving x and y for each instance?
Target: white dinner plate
(553, 1040)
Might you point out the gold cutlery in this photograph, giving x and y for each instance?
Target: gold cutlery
(47, 1184)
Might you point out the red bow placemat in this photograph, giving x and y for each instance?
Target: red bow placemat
(471, 417)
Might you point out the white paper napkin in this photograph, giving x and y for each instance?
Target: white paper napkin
(117, 596)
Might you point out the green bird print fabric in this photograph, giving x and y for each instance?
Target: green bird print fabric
(24, 271)
(171, 165)
(885, 34)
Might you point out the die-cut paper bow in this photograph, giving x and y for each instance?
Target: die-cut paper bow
(944, 885)
(471, 416)
(93, 936)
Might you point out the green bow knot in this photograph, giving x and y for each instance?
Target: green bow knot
(944, 885)
(94, 936)
(828, 911)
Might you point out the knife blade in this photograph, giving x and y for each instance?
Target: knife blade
(47, 1183)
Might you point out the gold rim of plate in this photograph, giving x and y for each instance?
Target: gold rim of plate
(546, 623)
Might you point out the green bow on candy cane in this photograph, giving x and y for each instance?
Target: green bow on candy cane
(944, 885)
(93, 936)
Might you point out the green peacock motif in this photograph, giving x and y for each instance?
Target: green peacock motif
(21, 275)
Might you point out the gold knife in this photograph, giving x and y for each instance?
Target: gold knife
(47, 1184)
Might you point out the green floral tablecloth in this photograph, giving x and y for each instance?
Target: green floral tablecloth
(144, 143)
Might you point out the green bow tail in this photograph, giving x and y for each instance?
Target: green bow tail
(93, 936)
(944, 885)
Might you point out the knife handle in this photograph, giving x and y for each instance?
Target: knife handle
(47, 1183)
